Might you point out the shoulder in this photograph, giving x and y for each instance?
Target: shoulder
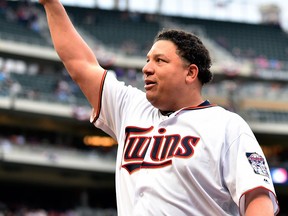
(229, 116)
(115, 88)
(230, 122)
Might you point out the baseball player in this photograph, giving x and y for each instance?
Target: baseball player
(178, 154)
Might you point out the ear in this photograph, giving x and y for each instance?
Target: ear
(192, 73)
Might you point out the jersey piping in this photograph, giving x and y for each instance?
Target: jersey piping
(96, 116)
(205, 104)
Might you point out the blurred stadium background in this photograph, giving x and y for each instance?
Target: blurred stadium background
(54, 162)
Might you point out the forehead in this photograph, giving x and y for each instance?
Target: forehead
(163, 47)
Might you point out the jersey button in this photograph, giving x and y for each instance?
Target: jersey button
(141, 194)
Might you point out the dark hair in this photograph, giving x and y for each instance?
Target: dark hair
(190, 48)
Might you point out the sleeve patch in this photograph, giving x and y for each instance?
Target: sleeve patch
(257, 162)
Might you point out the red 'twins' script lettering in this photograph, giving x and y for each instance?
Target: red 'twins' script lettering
(164, 148)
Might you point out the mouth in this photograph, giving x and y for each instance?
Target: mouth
(149, 84)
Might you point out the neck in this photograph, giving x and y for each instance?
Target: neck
(166, 113)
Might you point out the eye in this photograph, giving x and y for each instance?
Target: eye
(159, 60)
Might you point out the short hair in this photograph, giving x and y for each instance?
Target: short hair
(190, 48)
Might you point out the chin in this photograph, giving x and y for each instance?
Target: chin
(152, 100)
(155, 102)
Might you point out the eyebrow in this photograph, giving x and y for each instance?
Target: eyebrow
(157, 55)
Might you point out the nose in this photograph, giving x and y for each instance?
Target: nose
(147, 69)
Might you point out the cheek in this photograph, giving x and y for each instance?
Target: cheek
(174, 80)
(176, 86)
(169, 87)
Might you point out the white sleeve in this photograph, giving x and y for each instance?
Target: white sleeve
(115, 99)
(245, 166)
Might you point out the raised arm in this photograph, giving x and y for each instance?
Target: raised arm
(78, 58)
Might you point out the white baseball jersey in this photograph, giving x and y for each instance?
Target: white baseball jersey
(197, 161)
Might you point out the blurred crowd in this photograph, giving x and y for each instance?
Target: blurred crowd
(26, 15)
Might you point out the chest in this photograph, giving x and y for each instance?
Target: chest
(175, 142)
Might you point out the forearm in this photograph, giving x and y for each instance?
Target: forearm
(67, 42)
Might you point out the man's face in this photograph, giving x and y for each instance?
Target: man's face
(165, 76)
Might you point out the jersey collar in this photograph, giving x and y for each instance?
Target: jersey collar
(203, 105)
